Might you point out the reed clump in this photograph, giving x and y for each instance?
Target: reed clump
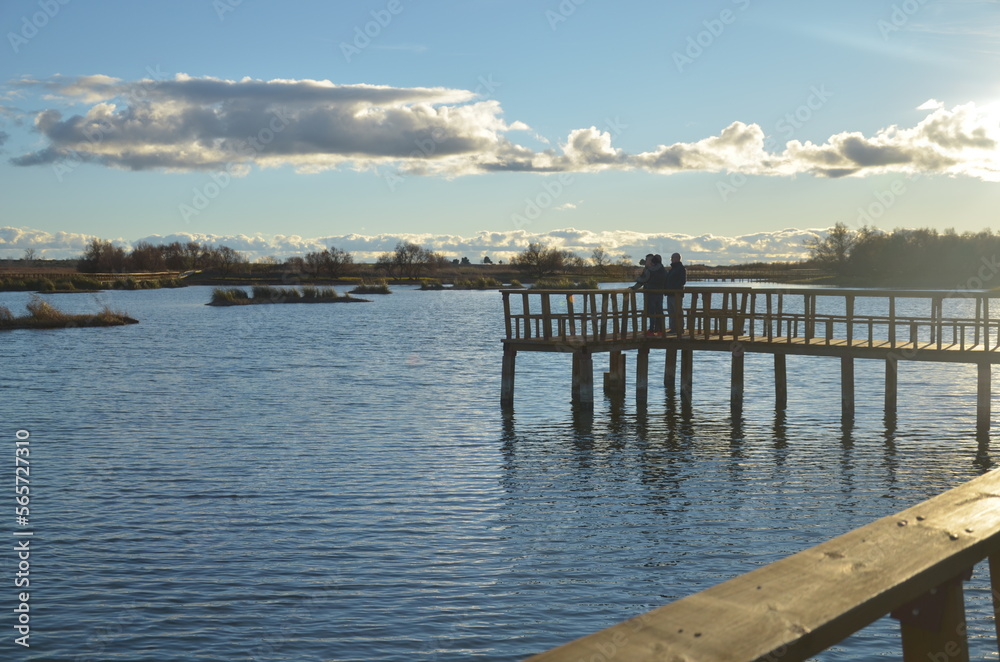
(372, 287)
(43, 315)
(565, 284)
(264, 294)
(431, 284)
(481, 283)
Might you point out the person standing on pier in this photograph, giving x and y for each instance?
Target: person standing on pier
(653, 280)
(676, 279)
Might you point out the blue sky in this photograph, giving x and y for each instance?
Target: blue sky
(730, 128)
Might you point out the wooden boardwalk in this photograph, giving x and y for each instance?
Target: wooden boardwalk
(887, 325)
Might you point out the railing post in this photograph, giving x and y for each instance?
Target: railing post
(506, 313)
(933, 626)
(546, 317)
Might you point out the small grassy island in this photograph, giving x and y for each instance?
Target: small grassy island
(43, 315)
(265, 294)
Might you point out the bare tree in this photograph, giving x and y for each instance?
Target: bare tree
(539, 260)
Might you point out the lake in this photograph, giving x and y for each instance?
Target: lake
(339, 482)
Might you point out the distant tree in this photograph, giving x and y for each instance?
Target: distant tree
(102, 256)
(465, 261)
(146, 257)
(600, 259)
(539, 260)
(487, 260)
(834, 250)
(409, 260)
(30, 255)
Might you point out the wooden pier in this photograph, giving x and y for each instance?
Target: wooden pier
(885, 325)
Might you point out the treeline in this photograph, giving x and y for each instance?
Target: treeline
(406, 261)
(102, 256)
(922, 257)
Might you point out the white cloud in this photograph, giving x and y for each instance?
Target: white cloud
(781, 245)
(188, 123)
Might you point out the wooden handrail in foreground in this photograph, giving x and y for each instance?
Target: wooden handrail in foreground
(910, 564)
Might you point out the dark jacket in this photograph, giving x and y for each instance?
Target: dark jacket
(676, 277)
(654, 277)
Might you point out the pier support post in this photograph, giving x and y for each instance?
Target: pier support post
(642, 374)
(614, 378)
(670, 370)
(847, 387)
(687, 372)
(891, 379)
(983, 397)
(507, 377)
(583, 378)
(780, 383)
(736, 381)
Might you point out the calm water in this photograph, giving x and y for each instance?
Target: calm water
(338, 482)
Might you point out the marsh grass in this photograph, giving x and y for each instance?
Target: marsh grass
(43, 315)
(263, 294)
(564, 284)
(431, 284)
(372, 287)
(481, 283)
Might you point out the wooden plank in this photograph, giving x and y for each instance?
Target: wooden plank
(506, 314)
(799, 606)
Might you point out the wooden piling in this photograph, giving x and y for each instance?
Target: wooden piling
(614, 378)
(984, 393)
(736, 381)
(507, 377)
(847, 387)
(687, 373)
(642, 374)
(891, 379)
(583, 378)
(780, 383)
(670, 369)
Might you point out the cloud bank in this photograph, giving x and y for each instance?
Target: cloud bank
(186, 123)
(781, 245)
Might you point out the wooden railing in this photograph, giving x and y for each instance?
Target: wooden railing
(910, 565)
(760, 314)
